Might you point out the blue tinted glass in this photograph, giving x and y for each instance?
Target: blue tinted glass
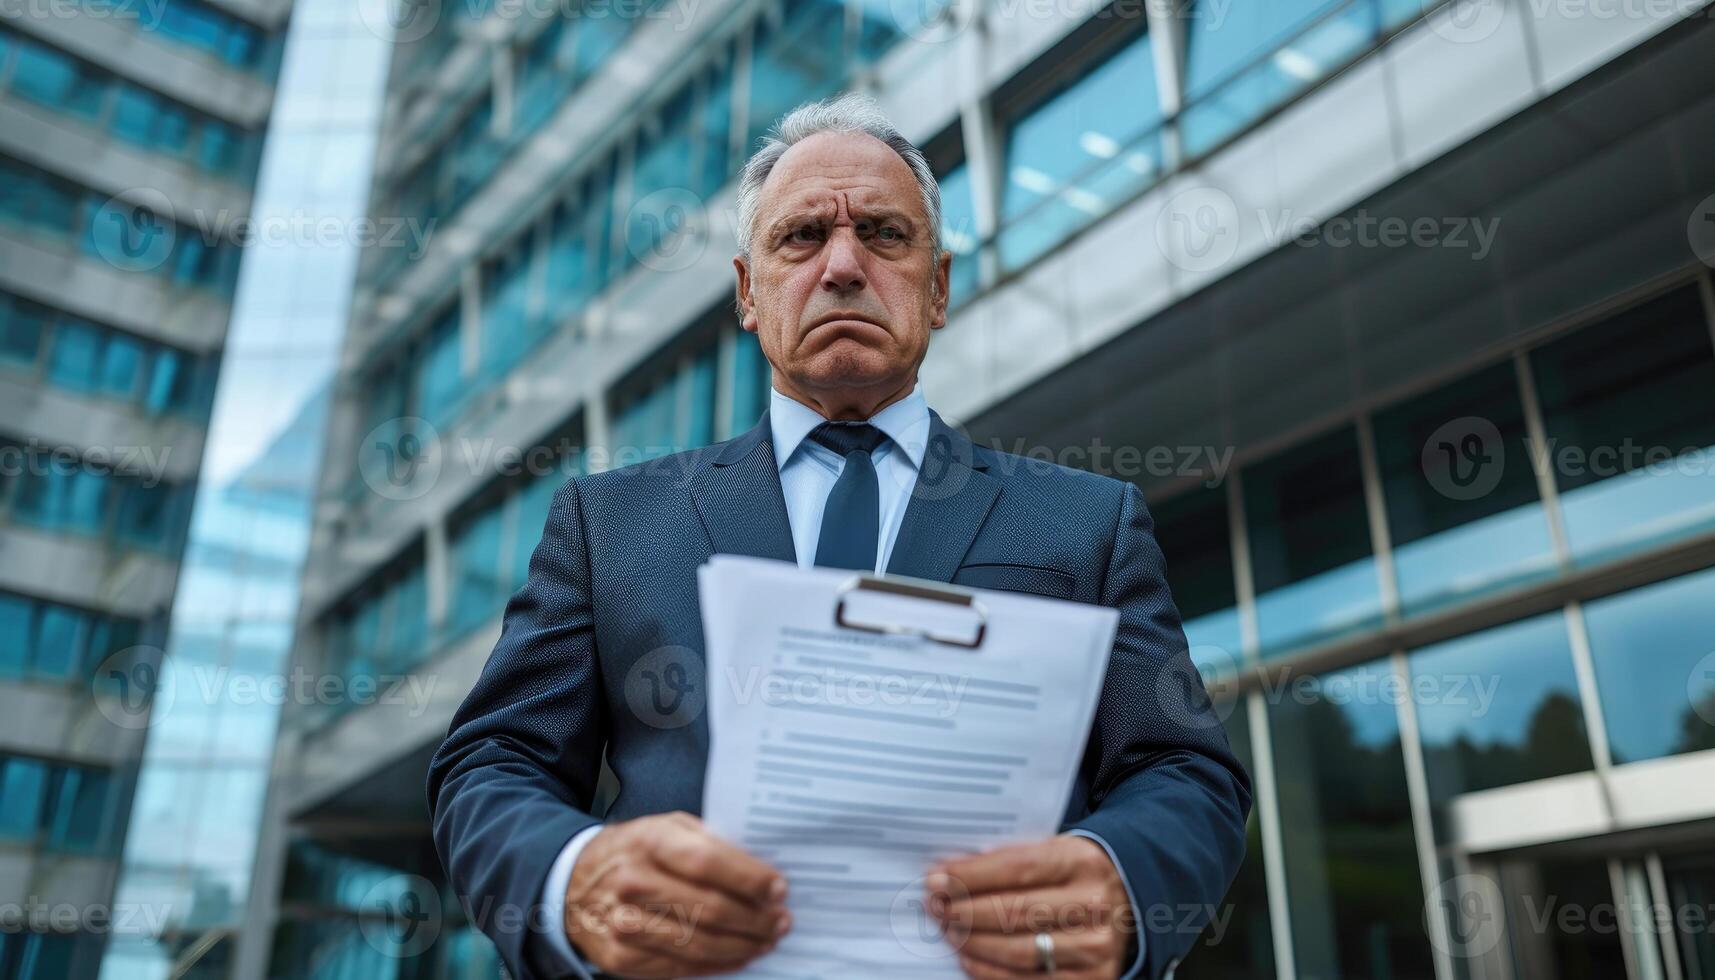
(439, 382)
(80, 811)
(781, 76)
(569, 278)
(1462, 505)
(505, 334)
(1081, 153)
(408, 628)
(1310, 544)
(959, 232)
(121, 363)
(1499, 707)
(1197, 543)
(479, 590)
(58, 80)
(146, 515)
(699, 421)
(17, 616)
(21, 327)
(595, 39)
(750, 383)
(656, 222)
(1654, 651)
(1244, 58)
(163, 377)
(86, 502)
(23, 793)
(533, 504)
(134, 115)
(715, 146)
(76, 356)
(62, 642)
(1631, 427)
(1351, 861)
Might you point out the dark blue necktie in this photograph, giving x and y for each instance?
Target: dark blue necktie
(851, 521)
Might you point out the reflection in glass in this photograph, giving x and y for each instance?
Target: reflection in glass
(1079, 152)
(794, 60)
(1463, 511)
(1654, 652)
(1310, 544)
(1244, 58)
(1618, 412)
(1239, 942)
(959, 233)
(1567, 947)
(1196, 541)
(1352, 876)
(1499, 707)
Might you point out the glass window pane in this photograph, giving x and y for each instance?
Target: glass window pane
(1462, 506)
(715, 146)
(146, 515)
(505, 334)
(533, 505)
(699, 409)
(62, 645)
(17, 634)
(1197, 542)
(1244, 58)
(1352, 876)
(58, 80)
(655, 226)
(1654, 653)
(478, 590)
(1244, 948)
(751, 383)
(959, 233)
(1080, 153)
(80, 811)
(23, 793)
(21, 328)
(1498, 708)
(439, 381)
(121, 363)
(795, 62)
(1631, 427)
(76, 355)
(1310, 544)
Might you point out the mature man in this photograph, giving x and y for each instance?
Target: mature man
(841, 276)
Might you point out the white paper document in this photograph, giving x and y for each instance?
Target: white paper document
(851, 757)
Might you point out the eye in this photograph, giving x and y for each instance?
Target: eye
(891, 233)
(804, 235)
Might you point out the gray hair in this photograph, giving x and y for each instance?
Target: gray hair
(849, 113)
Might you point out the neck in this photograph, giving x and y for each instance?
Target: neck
(847, 404)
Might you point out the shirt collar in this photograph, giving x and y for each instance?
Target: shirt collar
(906, 422)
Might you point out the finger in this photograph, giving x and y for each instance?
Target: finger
(1013, 867)
(697, 906)
(1017, 951)
(700, 856)
(1070, 906)
(978, 970)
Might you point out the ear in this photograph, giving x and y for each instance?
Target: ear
(746, 302)
(942, 273)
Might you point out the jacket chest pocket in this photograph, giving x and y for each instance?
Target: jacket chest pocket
(1035, 579)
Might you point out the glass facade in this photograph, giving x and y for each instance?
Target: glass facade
(1655, 667)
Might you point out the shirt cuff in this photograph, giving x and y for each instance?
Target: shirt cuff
(1136, 917)
(554, 897)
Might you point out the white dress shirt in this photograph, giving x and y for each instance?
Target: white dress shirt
(808, 470)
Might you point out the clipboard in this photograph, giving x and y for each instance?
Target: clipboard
(912, 589)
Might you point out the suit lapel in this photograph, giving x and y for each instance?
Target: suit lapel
(952, 497)
(739, 499)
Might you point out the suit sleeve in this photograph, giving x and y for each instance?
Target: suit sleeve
(515, 778)
(1165, 792)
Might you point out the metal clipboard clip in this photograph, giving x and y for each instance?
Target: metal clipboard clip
(932, 591)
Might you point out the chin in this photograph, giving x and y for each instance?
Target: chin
(848, 363)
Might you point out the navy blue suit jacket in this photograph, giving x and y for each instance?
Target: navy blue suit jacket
(614, 580)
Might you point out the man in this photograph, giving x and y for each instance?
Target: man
(841, 276)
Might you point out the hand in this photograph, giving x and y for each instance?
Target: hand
(991, 906)
(660, 896)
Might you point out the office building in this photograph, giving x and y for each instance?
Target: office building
(1399, 312)
(130, 135)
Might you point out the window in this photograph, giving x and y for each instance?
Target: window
(1654, 654)
(1244, 950)
(439, 382)
(61, 645)
(672, 413)
(506, 334)
(1499, 707)
(1244, 58)
(1310, 545)
(1631, 427)
(1080, 152)
(534, 501)
(666, 157)
(57, 81)
(76, 352)
(22, 325)
(45, 641)
(1197, 542)
(1352, 876)
(752, 380)
(715, 158)
(796, 56)
(959, 233)
(23, 795)
(478, 590)
(1462, 506)
(79, 819)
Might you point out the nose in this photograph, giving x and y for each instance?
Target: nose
(843, 274)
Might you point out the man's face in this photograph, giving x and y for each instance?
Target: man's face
(841, 286)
